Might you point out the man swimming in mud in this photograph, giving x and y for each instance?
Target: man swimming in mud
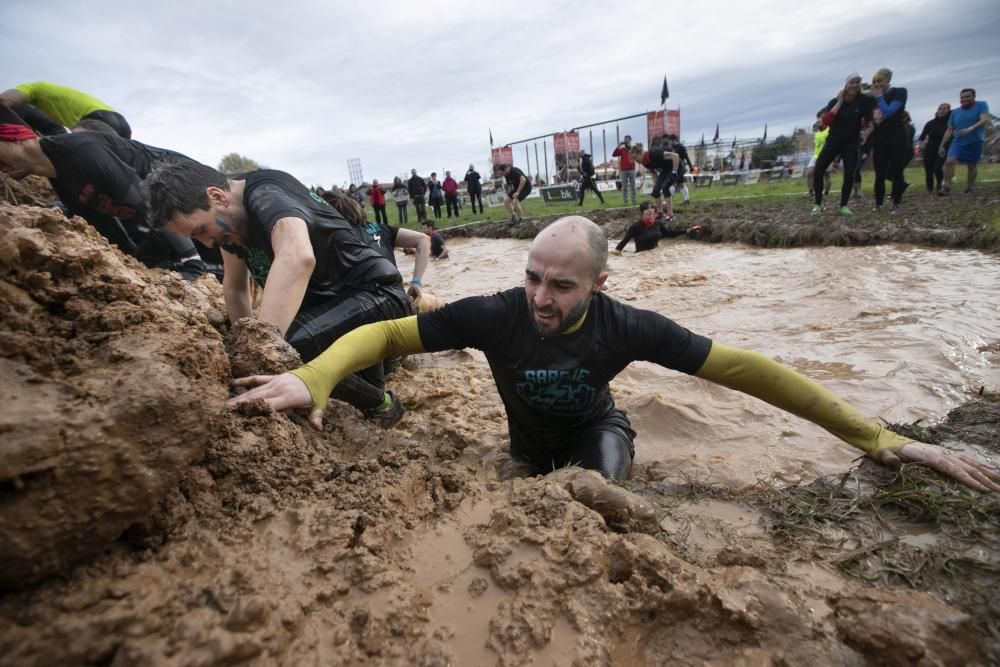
(555, 344)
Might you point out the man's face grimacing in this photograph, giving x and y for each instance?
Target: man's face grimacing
(205, 225)
(559, 280)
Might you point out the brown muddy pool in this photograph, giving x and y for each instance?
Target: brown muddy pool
(899, 331)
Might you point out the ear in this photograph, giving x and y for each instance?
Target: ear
(217, 196)
(599, 283)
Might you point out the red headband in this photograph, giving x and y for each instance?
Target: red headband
(15, 132)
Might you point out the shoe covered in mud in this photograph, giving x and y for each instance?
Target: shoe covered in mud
(845, 211)
(390, 416)
(896, 209)
(967, 191)
(944, 191)
(817, 209)
(877, 209)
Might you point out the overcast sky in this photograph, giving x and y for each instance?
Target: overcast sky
(304, 86)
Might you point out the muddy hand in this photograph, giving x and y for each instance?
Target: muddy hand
(281, 392)
(975, 475)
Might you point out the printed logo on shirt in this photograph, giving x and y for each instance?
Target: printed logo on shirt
(256, 260)
(557, 391)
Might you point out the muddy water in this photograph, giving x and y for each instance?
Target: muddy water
(893, 329)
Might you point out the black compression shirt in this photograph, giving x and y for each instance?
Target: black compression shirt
(682, 153)
(513, 178)
(347, 256)
(552, 387)
(647, 238)
(99, 174)
(846, 126)
(892, 129)
(934, 132)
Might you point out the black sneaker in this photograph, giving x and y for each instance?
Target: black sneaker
(390, 416)
(943, 191)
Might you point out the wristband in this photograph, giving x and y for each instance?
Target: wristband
(417, 281)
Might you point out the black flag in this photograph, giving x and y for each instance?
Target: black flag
(664, 94)
(715, 140)
(491, 137)
(764, 140)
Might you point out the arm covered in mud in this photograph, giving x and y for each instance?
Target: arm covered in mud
(766, 379)
(310, 385)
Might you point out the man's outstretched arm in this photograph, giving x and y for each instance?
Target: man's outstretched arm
(309, 386)
(766, 379)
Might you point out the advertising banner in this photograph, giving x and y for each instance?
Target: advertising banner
(567, 149)
(502, 155)
(659, 123)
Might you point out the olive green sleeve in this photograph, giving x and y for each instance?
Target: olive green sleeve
(355, 350)
(766, 379)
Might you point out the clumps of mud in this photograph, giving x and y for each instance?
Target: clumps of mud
(113, 382)
(29, 191)
(254, 539)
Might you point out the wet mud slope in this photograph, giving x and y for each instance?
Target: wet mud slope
(142, 523)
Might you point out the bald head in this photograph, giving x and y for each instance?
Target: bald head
(578, 234)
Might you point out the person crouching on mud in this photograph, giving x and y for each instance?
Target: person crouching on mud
(555, 344)
(322, 267)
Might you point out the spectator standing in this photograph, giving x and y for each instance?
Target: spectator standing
(626, 168)
(587, 177)
(930, 142)
(474, 184)
(401, 196)
(450, 187)
(417, 188)
(435, 195)
(377, 196)
(967, 132)
(844, 115)
(889, 140)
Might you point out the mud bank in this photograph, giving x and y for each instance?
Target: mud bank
(206, 536)
(957, 221)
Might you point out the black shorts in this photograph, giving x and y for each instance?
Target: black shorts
(606, 445)
(524, 193)
(663, 182)
(113, 119)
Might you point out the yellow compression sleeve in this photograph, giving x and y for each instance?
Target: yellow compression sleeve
(766, 379)
(355, 350)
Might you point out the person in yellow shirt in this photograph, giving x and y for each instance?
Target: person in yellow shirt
(820, 133)
(50, 108)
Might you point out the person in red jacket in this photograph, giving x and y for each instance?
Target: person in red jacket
(377, 197)
(626, 167)
(450, 187)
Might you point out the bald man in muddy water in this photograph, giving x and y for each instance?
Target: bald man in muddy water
(554, 345)
(322, 266)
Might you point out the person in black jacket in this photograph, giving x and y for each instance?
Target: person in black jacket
(98, 176)
(890, 140)
(845, 115)
(474, 185)
(417, 187)
(930, 142)
(587, 177)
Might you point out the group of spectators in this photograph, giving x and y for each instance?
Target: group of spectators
(857, 124)
(420, 192)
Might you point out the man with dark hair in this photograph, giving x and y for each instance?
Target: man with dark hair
(417, 187)
(322, 267)
(98, 176)
(63, 105)
(439, 249)
(587, 177)
(518, 187)
(967, 133)
(474, 185)
(555, 344)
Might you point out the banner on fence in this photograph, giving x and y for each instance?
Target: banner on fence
(659, 123)
(567, 148)
(502, 155)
